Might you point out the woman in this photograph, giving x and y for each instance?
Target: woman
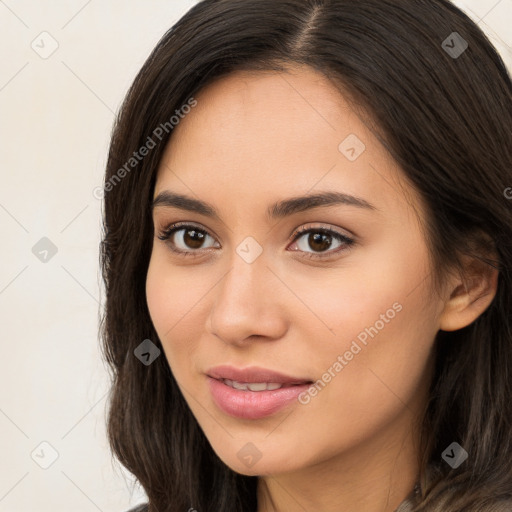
(307, 257)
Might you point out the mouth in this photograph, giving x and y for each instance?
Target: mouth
(254, 378)
(259, 386)
(253, 393)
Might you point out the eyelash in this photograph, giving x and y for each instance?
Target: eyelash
(167, 233)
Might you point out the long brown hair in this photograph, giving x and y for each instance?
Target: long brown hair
(441, 100)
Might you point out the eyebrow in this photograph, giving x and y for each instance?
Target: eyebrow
(277, 210)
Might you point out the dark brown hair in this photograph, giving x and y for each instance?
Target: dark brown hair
(444, 112)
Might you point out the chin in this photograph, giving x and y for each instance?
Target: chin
(259, 465)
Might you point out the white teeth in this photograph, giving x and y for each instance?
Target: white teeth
(255, 386)
(252, 386)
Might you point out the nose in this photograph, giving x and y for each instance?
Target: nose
(248, 303)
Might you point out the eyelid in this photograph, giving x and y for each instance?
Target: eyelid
(346, 239)
(169, 230)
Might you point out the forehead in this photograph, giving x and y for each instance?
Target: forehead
(267, 135)
(259, 110)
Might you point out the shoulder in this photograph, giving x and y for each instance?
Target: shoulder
(143, 507)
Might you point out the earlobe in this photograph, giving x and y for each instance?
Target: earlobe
(470, 297)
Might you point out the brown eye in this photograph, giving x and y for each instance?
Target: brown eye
(189, 240)
(192, 238)
(184, 238)
(319, 241)
(316, 242)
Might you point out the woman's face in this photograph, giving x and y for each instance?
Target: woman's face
(355, 318)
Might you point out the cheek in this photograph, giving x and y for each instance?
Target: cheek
(175, 303)
(168, 301)
(375, 383)
(158, 294)
(383, 325)
(369, 288)
(170, 292)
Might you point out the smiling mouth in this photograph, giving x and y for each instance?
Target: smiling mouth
(258, 399)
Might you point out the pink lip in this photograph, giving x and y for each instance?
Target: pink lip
(248, 404)
(253, 374)
(252, 405)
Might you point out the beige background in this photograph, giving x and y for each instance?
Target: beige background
(56, 115)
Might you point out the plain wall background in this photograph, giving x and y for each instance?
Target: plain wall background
(56, 117)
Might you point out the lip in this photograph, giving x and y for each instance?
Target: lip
(253, 405)
(253, 374)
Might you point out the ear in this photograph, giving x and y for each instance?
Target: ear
(469, 295)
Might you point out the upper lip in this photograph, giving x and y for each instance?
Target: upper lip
(253, 374)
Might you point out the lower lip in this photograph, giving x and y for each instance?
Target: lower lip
(252, 405)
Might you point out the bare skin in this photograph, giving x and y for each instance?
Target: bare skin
(252, 140)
